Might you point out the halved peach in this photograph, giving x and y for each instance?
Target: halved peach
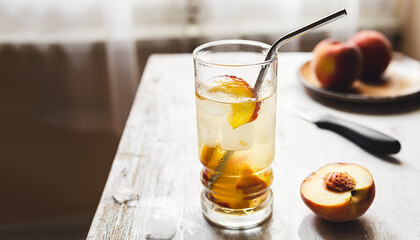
(339, 192)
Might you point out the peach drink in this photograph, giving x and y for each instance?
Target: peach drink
(235, 131)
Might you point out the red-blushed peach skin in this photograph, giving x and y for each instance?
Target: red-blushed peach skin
(337, 64)
(350, 209)
(324, 42)
(376, 50)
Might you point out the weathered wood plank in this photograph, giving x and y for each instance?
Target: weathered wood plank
(157, 160)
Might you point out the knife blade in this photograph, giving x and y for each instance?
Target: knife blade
(367, 138)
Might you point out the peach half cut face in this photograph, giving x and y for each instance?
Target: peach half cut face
(339, 192)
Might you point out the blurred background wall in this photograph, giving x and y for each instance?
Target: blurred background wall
(69, 70)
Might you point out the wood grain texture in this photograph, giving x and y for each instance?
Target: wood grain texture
(157, 158)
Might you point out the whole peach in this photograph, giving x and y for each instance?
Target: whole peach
(323, 43)
(337, 64)
(376, 50)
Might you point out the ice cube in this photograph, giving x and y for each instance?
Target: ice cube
(238, 139)
(208, 129)
(161, 226)
(211, 108)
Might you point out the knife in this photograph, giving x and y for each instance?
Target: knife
(365, 137)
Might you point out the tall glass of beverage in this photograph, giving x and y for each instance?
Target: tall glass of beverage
(236, 131)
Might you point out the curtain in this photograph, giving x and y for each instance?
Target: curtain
(90, 95)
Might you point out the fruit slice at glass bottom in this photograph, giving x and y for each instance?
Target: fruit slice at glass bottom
(238, 192)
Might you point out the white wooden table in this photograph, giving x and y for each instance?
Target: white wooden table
(157, 164)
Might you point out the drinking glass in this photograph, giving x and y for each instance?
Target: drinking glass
(236, 131)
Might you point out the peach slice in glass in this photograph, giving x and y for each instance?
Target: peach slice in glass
(211, 157)
(249, 182)
(242, 112)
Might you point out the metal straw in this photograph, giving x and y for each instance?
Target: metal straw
(280, 42)
(292, 35)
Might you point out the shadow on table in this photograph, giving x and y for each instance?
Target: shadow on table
(389, 108)
(313, 227)
(387, 158)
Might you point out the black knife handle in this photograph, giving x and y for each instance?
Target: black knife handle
(365, 137)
